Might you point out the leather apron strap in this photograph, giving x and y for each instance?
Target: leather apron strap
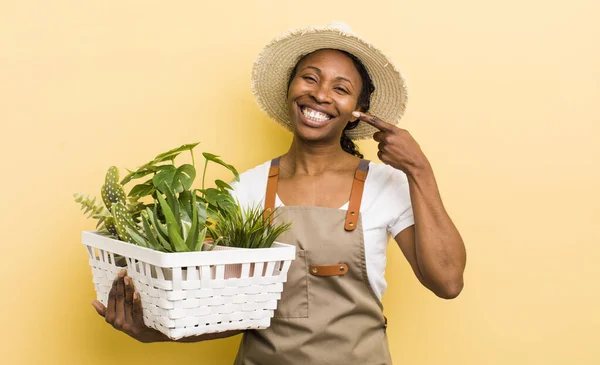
(356, 195)
(271, 191)
(360, 176)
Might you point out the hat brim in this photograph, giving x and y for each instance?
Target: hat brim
(272, 69)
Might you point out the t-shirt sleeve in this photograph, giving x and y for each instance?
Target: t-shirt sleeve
(236, 190)
(401, 202)
(249, 190)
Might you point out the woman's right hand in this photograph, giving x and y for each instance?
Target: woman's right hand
(124, 311)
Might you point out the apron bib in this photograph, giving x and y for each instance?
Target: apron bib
(328, 312)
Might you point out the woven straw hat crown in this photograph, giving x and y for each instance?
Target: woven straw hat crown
(274, 65)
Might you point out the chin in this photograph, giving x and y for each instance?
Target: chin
(309, 134)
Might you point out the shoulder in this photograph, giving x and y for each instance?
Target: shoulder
(258, 172)
(384, 175)
(386, 188)
(251, 184)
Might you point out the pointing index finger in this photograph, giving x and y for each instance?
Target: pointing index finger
(374, 121)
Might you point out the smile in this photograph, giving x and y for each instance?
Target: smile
(314, 115)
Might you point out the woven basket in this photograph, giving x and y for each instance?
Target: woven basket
(186, 294)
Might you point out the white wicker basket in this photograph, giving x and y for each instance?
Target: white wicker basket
(186, 294)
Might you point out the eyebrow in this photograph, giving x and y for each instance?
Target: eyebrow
(319, 71)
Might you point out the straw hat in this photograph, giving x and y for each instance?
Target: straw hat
(275, 63)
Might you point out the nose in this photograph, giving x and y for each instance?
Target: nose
(320, 93)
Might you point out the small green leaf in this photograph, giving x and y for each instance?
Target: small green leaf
(174, 205)
(162, 232)
(184, 178)
(169, 155)
(202, 212)
(217, 160)
(141, 172)
(166, 245)
(185, 200)
(200, 240)
(192, 237)
(164, 178)
(149, 234)
(137, 238)
(212, 195)
(223, 185)
(144, 189)
(172, 226)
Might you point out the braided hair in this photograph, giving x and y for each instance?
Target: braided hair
(363, 103)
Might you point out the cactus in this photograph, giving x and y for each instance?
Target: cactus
(116, 215)
(115, 200)
(109, 224)
(112, 191)
(122, 220)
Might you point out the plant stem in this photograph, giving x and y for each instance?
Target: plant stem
(204, 175)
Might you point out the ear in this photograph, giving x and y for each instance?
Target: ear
(352, 125)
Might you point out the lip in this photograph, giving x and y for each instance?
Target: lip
(310, 122)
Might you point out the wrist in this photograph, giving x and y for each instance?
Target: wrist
(419, 170)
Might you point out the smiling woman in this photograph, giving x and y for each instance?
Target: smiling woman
(343, 86)
(320, 83)
(323, 94)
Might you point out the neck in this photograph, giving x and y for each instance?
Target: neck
(307, 158)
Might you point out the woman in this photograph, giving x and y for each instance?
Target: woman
(319, 83)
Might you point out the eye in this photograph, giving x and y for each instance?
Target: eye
(309, 78)
(342, 90)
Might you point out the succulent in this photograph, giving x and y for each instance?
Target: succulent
(112, 191)
(109, 224)
(123, 221)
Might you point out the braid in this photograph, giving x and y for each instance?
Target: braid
(363, 103)
(349, 146)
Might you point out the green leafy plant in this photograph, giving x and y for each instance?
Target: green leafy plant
(246, 228)
(175, 217)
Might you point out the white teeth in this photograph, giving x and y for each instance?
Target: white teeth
(315, 115)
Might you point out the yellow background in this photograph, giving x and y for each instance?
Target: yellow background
(503, 99)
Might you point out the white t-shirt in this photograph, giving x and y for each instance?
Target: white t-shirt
(386, 210)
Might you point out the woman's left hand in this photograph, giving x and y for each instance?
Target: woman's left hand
(397, 147)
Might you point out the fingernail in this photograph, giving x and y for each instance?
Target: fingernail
(126, 279)
(356, 114)
(136, 296)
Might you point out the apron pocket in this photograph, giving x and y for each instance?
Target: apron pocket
(294, 298)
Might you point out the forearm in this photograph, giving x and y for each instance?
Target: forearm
(156, 336)
(439, 249)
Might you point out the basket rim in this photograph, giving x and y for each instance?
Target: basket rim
(278, 252)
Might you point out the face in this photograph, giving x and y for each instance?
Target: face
(322, 95)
